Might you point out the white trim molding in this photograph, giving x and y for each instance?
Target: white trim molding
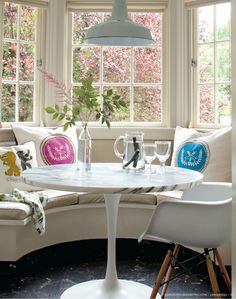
(56, 52)
(233, 28)
(33, 3)
(179, 61)
(199, 3)
(106, 5)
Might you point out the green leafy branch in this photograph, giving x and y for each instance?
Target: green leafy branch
(84, 104)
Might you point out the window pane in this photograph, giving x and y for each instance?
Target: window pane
(86, 63)
(27, 23)
(116, 65)
(206, 63)
(81, 22)
(10, 11)
(8, 102)
(223, 96)
(147, 104)
(9, 61)
(26, 95)
(207, 104)
(223, 13)
(27, 54)
(153, 21)
(148, 65)
(223, 62)
(214, 65)
(124, 93)
(206, 24)
(122, 68)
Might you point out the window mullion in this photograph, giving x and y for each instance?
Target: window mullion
(215, 72)
(101, 84)
(132, 70)
(194, 67)
(17, 65)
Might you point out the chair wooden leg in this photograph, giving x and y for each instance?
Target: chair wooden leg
(161, 273)
(212, 276)
(223, 269)
(170, 270)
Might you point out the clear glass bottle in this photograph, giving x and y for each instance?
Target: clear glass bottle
(84, 149)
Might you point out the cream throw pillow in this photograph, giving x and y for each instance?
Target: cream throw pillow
(13, 161)
(209, 153)
(53, 146)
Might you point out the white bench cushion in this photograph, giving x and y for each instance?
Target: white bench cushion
(14, 210)
(20, 211)
(90, 198)
(169, 195)
(58, 198)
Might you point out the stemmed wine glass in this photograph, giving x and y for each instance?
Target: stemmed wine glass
(149, 154)
(163, 149)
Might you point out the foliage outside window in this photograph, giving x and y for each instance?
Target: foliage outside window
(135, 73)
(214, 65)
(19, 52)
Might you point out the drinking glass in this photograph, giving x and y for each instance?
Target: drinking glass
(149, 154)
(162, 153)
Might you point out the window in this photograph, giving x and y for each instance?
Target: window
(136, 73)
(213, 66)
(19, 44)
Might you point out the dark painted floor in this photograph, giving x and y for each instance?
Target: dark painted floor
(48, 272)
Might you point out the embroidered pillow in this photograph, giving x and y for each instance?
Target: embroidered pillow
(53, 146)
(14, 160)
(209, 153)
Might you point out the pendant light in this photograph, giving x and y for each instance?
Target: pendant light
(119, 30)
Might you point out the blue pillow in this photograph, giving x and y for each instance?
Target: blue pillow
(193, 155)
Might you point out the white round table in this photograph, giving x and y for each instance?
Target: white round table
(111, 180)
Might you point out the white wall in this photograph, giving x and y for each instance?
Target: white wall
(233, 2)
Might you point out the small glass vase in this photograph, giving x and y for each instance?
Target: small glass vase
(84, 149)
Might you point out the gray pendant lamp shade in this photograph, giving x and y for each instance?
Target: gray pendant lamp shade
(119, 30)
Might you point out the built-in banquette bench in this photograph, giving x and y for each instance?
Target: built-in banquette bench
(71, 216)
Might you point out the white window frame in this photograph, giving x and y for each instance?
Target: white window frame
(40, 54)
(163, 84)
(195, 84)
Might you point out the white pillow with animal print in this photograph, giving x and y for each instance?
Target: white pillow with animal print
(53, 146)
(209, 153)
(13, 161)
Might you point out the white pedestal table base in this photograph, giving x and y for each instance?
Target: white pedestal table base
(96, 289)
(111, 287)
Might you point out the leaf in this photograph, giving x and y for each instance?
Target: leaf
(108, 123)
(116, 97)
(98, 115)
(57, 108)
(49, 109)
(65, 127)
(61, 117)
(76, 111)
(79, 92)
(55, 115)
(65, 109)
(109, 92)
(109, 106)
(123, 103)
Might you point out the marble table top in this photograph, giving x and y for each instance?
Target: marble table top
(110, 178)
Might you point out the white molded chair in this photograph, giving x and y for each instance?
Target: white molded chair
(201, 218)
